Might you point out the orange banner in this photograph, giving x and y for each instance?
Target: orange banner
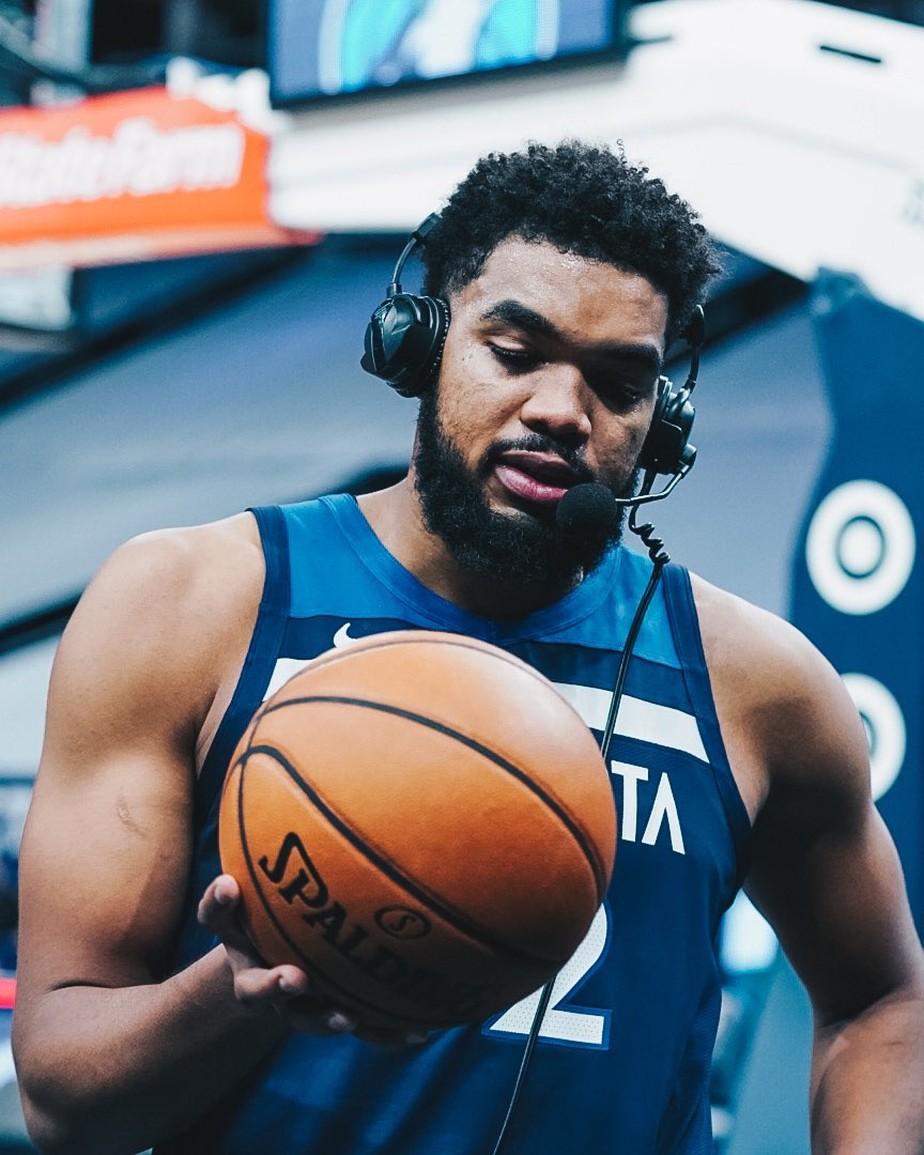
(130, 176)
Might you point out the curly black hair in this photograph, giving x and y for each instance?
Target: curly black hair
(584, 199)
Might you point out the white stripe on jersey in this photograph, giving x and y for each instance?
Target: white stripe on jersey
(284, 669)
(647, 721)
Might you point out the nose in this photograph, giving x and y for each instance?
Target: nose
(558, 404)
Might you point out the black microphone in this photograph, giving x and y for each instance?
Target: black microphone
(588, 513)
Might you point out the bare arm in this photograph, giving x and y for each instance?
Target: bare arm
(826, 875)
(106, 1054)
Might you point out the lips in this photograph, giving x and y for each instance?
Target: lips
(540, 478)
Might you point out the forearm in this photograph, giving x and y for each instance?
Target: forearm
(867, 1079)
(119, 1069)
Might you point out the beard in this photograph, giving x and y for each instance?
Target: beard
(516, 549)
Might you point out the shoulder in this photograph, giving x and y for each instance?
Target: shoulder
(754, 644)
(185, 577)
(187, 563)
(785, 714)
(165, 616)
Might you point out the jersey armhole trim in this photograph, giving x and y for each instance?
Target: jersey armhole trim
(684, 620)
(265, 642)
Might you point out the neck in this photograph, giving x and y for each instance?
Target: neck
(397, 520)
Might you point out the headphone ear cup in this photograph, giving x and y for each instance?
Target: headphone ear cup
(667, 447)
(404, 341)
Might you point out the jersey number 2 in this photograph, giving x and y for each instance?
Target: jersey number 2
(574, 1027)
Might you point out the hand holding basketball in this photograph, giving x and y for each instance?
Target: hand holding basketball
(422, 824)
(285, 988)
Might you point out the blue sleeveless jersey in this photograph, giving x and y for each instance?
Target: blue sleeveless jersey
(623, 1060)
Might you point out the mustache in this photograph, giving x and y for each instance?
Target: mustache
(537, 443)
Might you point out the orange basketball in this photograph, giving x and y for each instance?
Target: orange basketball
(423, 824)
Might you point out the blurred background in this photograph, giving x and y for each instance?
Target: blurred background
(201, 202)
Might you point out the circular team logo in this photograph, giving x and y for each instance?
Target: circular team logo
(400, 922)
(860, 548)
(885, 729)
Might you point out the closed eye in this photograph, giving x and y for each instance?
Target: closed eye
(515, 360)
(619, 392)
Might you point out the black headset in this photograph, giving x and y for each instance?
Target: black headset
(404, 343)
(406, 333)
(667, 447)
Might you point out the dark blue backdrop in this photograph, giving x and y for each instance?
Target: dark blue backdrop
(857, 587)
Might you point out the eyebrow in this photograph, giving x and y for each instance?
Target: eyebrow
(520, 316)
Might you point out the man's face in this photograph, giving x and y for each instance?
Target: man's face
(548, 379)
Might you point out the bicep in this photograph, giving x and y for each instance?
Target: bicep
(102, 870)
(825, 871)
(105, 850)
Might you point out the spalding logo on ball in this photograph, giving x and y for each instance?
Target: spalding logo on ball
(423, 824)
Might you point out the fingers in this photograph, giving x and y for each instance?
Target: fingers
(218, 906)
(254, 981)
(218, 910)
(313, 1017)
(257, 984)
(285, 989)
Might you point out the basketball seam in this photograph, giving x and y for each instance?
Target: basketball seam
(587, 847)
(431, 637)
(412, 637)
(455, 918)
(350, 997)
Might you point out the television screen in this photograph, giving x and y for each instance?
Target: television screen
(327, 48)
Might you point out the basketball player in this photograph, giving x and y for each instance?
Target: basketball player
(566, 273)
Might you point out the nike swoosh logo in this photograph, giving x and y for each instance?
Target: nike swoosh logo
(343, 638)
